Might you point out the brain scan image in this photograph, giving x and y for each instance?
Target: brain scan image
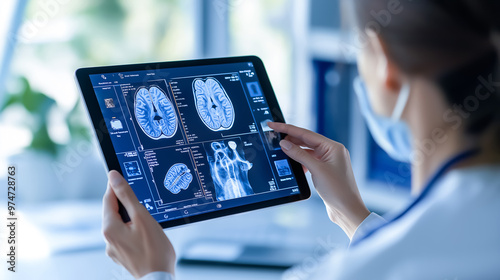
(155, 113)
(229, 171)
(178, 178)
(213, 104)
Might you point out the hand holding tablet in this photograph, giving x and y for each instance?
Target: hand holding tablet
(139, 245)
(191, 137)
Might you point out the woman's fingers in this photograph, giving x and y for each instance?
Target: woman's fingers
(125, 194)
(311, 139)
(308, 151)
(110, 216)
(140, 245)
(302, 137)
(296, 141)
(298, 154)
(112, 224)
(318, 152)
(110, 203)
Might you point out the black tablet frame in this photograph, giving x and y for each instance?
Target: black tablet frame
(108, 152)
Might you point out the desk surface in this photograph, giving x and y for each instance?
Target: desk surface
(96, 265)
(297, 224)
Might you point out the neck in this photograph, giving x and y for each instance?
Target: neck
(439, 137)
(489, 154)
(430, 155)
(435, 140)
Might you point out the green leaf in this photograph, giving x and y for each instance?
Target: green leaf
(42, 141)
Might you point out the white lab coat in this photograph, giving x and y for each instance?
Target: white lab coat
(452, 234)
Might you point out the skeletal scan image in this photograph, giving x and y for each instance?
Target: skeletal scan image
(213, 104)
(229, 171)
(155, 113)
(178, 178)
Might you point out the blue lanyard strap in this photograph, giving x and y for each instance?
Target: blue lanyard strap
(431, 183)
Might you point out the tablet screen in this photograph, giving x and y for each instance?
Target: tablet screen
(194, 139)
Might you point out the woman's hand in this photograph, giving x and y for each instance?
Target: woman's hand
(331, 170)
(140, 245)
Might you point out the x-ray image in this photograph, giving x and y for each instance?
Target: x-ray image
(229, 170)
(213, 104)
(178, 178)
(155, 113)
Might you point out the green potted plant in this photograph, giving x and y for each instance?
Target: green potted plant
(51, 170)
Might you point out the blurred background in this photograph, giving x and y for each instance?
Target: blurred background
(309, 49)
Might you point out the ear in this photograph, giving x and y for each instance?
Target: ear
(388, 72)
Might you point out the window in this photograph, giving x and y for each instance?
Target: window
(263, 28)
(57, 37)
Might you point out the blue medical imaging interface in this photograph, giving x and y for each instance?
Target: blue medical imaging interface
(195, 139)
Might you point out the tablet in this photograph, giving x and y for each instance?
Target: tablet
(191, 137)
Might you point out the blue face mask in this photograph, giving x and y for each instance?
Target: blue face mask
(392, 134)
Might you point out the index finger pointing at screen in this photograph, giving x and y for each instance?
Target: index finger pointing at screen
(310, 139)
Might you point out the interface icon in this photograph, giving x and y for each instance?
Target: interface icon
(109, 102)
(116, 124)
(254, 89)
(283, 167)
(132, 168)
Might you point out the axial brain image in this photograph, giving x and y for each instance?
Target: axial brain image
(178, 178)
(213, 104)
(155, 113)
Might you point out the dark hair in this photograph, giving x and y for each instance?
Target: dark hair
(452, 42)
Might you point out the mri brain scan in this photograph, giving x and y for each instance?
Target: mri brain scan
(178, 178)
(213, 104)
(155, 113)
(229, 171)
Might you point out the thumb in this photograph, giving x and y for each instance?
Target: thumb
(124, 193)
(298, 154)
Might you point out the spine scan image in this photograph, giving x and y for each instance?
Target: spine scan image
(213, 104)
(229, 171)
(178, 178)
(155, 113)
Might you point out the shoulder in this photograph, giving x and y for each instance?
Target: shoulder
(452, 233)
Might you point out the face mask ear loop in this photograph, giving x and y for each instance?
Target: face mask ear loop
(358, 87)
(404, 94)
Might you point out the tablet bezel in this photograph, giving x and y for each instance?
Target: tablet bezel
(108, 151)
